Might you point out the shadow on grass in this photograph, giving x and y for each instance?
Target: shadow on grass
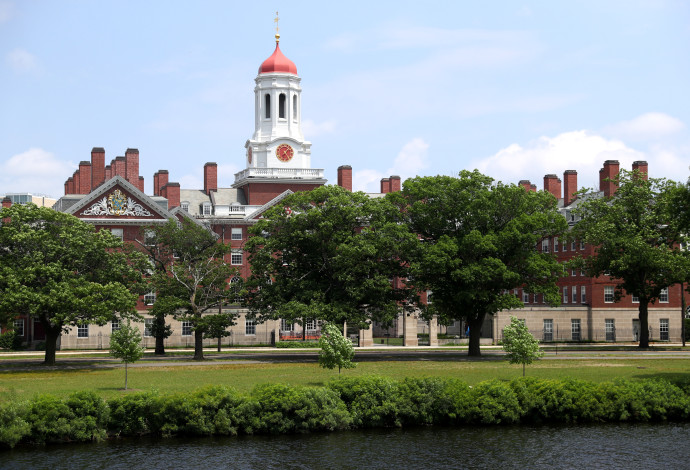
(681, 379)
(60, 368)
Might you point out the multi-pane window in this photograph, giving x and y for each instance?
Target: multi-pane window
(429, 297)
(663, 296)
(635, 299)
(118, 232)
(114, 326)
(575, 329)
(148, 323)
(663, 329)
(565, 294)
(236, 233)
(583, 294)
(185, 206)
(608, 294)
(610, 328)
(249, 326)
(574, 294)
(236, 257)
(149, 238)
(186, 328)
(149, 298)
(548, 330)
(582, 245)
(83, 330)
(525, 296)
(565, 246)
(545, 245)
(206, 208)
(573, 245)
(19, 326)
(286, 325)
(555, 244)
(311, 325)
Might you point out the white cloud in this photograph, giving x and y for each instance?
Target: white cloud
(312, 129)
(576, 150)
(35, 171)
(6, 11)
(21, 61)
(648, 126)
(411, 159)
(226, 175)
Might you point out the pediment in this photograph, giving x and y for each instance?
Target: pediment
(118, 199)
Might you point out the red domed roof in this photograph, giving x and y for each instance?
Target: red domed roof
(278, 63)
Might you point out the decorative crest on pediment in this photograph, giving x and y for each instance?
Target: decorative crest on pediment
(117, 203)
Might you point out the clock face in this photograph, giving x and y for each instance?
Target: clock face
(249, 154)
(284, 153)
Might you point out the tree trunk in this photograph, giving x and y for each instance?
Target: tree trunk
(523, 369)
(198, 345)
(644, 322)
(475, 334)
(125, 376)
(304, 329)
(219, 343)
(52, 335)
(160, 346)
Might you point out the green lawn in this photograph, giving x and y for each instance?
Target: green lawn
(108, 382)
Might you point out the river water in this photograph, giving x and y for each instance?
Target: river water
(639, 446)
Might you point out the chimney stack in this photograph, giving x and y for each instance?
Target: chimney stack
(552, 184)
(395, 184)
(608, 172)
(642, 167)
(385, 185)
(171, 192)
(210, 177)
(345, 177)
(97, 166)
(569, 186)
(132, 166)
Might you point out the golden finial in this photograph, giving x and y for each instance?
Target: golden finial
(277, 28)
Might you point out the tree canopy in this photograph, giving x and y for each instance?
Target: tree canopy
(336, 349)
(636, 239)
(332, 255)
(478, 241)
(125, 344)
(61, 271)
(519, 344)
(195, 281)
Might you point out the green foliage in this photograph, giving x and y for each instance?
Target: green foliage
(519, 344)
(131, 415)
(13, 425)
(371, 401)
(11, 340)
(636, 239)
(59, 270)
(336, 350)
(297, 344)
(216, 325)
(191, 275)
(329, 254)
(125, 344)
(477, 240)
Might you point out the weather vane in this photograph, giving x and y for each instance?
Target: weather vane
(277, 28)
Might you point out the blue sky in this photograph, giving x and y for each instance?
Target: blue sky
(515, 89)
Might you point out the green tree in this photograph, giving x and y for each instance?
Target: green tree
(521, 346)
(478, 241)
(63, 272)
(329, 254)
(216, 326)
(195, 281)
(636, 241)
(125, 344)
(336, 349)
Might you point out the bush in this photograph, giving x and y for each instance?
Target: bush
(297, 344)
(372, 401)
(11, 340)
(423, 401)
(13, 425)
(284, 409)
(132, 415)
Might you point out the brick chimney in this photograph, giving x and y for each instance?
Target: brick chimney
(171, 191)
(108, 172)
(395, 183)
(132, 166)
(552, 184)
(609, 171)
(6, 202)
(385, 185)
(160, 182)
(533, 188)
(345, 177)
(141, 184)
(642, 167)
(120, 167)
(525, 184)
(569, 186)
(84, 177)
(97, 166)
(210, 177)
(70, 185)
(76, 188)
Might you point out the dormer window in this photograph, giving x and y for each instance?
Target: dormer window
(206, 208)
(185, 206)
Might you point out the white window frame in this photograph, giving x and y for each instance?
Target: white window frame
(149, 238)
(663, 329)
(609, 295)
(429, 297)
(236, 233)
(574, 295)
(634, 299)
(583, 294)
(82, 330)
(187, 328)
(19, 326)
(236, 257)
(555, 244)
(573, 245)
(311, 325)
(285, 326)
(118, 232)
(525, 296)
(575, 329)
(545, 245)
(150, 298)
(582, 245)
(185, 206)
(663, 296)
(548, 329)
(148, 322)
(206, 208)
(610, 329)
(249, 327)
(114, 326)
(565, 295)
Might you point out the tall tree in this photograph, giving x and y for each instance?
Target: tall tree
(195, 282)
(61, 271)
(478, 240)
(125, 344)
(636, 241)
(329, 254)
(519, 344)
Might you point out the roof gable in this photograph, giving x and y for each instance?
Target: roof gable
(257, 213)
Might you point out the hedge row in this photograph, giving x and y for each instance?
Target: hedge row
(346, 403)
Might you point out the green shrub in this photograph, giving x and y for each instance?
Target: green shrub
(493, 402)
(297, 344)
(423, 401)
(372, 401)
(284, 409)
(13, 425)
(131, 415)
(90, 416)
(11, 340)
(50, 419)
(561, 401)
